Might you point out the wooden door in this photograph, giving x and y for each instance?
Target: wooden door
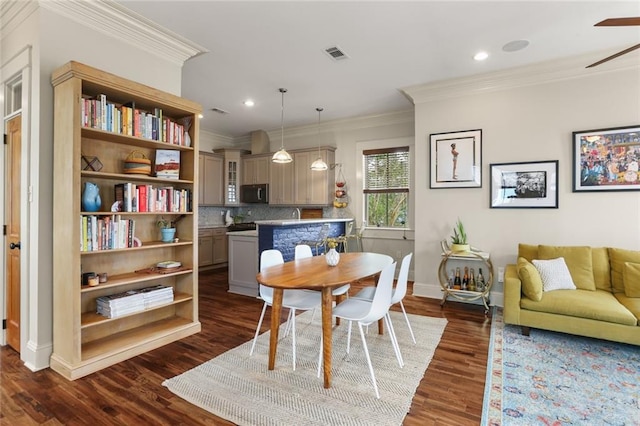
(12, 201)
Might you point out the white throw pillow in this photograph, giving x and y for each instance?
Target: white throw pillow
(555, 274)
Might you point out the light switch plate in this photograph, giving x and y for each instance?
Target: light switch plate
(500, 274)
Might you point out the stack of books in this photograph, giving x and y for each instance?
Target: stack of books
(132, 301)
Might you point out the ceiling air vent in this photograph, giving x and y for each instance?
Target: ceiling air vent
(335, 53)
(219, 111)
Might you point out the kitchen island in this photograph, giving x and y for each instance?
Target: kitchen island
(245, 247)
(284, 235)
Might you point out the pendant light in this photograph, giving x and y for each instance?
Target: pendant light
(319, 165)
(282, 156)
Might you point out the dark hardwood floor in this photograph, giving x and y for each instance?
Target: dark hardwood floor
(131, 392)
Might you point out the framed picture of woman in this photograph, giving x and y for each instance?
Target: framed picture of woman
(456, 159)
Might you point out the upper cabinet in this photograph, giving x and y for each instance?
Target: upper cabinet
(281, 184)
(232, 175)
(313, 187)
(211, 180)
(255, 169)
(296, 184)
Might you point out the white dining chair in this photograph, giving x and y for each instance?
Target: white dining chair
(303, 251)
(366, 312)
(399, 292)
(291, 299)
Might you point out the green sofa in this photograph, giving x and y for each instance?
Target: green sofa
(604, 305)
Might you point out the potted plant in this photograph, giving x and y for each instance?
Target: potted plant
(459, 238)
(332, 256)
(167, 229)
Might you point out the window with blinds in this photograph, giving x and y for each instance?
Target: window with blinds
(386, 186)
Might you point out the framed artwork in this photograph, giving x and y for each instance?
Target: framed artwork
(531, 185)
(606, 159)
(456, 159)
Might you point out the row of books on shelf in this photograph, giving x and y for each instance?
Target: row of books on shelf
(126, 119)
(132, 301)
(106, 233)
(148, 198)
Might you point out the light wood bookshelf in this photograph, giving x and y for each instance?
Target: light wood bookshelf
(83, 341)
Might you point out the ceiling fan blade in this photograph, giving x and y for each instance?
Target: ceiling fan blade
(625, 51)
(618, 22)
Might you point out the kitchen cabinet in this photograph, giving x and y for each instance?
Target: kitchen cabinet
(243, 263)
(255, 169)
(205, 247)
(220, 254)
(281, 185)
(212, 247)
(232, 175)
(313, 187)
(211, 180)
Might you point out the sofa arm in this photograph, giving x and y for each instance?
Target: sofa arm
(512, 295)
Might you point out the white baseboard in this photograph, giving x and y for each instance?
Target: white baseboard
(434, 291)
(36, 357)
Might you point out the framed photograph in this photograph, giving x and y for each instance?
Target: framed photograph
(530, 185)
(606, 159)
(456, 159)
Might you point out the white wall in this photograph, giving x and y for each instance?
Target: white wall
(57, 40)
(526, 123)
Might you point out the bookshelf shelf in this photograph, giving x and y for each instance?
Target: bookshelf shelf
(133, 178)
(119, 345)
(132, 278)
(90, 319)
(84, 341)
(146, 245)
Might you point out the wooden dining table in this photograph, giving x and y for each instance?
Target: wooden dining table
(313, 273)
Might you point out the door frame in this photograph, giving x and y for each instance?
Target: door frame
(19, 67)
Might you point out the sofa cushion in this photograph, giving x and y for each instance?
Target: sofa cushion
(631, 279)
(578, 259)
(631, 303)
(531, 280)
(528, 251)
(597, 305)
(617, 258)
(554, 273)
(601, 269)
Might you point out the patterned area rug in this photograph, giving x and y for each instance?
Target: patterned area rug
(558, 379)
(240, 389)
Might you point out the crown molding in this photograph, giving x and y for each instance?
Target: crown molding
(117, 21)
(13, 13)
(530, 75)
(348, 124)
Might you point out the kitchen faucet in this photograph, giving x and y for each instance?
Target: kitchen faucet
(297, 213)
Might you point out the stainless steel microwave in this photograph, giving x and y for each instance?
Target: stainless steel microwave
(254, 193)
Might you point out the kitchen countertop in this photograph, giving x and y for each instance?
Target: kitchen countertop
(287, 222)
(211, 226)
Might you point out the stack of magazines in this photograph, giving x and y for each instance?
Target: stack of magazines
(132, 301)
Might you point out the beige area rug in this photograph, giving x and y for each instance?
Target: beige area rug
(242, 390)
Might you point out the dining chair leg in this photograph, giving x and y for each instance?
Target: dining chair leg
(366, 352)
(255, 338)
(287, 328)
(408, 323)
(349, 337)
(394, 340)
(320, 357)
(292, 312)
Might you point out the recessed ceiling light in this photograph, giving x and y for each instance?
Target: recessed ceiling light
(249, 103)
(481, 56)
(515, 45)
